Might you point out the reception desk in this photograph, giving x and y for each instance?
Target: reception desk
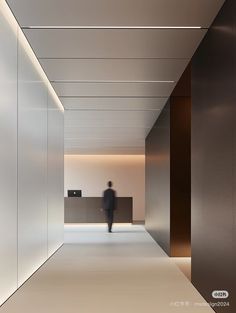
(89, 210)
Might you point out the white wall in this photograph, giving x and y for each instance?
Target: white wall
(90, 173)
(31, 160)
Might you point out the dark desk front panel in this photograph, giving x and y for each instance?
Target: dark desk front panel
(89, 210)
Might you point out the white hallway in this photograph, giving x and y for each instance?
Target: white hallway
(94, 271)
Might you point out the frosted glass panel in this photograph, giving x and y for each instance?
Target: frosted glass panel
(31, 160)
(32, 166)
(55, 176)
(8, 156)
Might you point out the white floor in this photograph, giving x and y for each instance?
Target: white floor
(125, 271)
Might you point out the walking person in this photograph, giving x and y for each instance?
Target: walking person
(109, 204)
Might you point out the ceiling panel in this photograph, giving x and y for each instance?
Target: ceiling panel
(103, 142)
(113, 103)
(106, 132)
(114, 69)
(87, 145)
(113, 12)
(106, 139)
(113, 89)
(111, 150)
(95, 71)
(74, 43)
(110, 118)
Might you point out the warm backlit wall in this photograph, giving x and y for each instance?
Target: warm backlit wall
(31, 160)
(90, 173)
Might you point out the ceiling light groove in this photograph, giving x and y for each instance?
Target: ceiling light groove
(112, 81)
(125, 97)
(112, 27)
(110, 58)
(111, 110)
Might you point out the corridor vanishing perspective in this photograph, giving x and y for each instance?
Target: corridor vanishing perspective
(137, 96)
(94, 271)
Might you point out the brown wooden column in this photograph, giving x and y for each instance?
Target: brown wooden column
(168, 173)
(180, 167)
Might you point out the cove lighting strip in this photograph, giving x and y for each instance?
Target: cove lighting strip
(112, 27)
(112, 81)
(24, 44)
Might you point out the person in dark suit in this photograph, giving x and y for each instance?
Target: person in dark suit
(109, 204)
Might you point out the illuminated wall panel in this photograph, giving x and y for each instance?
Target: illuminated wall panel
(55, 176)
(31, 160)
(8, 155)
(32, 165)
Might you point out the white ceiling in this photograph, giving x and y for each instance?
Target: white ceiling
(106, 78)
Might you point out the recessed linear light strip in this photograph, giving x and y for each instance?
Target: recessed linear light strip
(112, 81)
(113, 27)
(112, 110)
(113, 97)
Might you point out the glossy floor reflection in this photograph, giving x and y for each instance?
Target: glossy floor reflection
(125, 271)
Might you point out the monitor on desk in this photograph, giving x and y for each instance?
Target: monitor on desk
(74, 193)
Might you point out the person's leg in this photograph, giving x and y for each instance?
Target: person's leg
(107, 219)
(110, 220)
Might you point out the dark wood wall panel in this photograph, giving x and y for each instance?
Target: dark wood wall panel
(157, 220)
(180, 175)
(214, 159)
(168, 173)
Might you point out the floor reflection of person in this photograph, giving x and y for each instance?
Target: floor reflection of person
(109, 204)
